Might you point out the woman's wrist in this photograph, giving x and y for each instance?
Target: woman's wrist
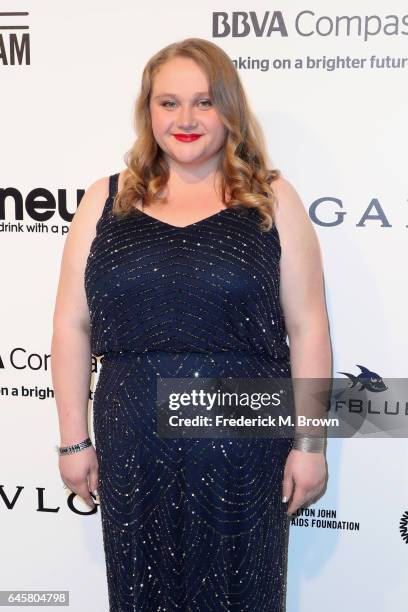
(309, 443)
(75, 447)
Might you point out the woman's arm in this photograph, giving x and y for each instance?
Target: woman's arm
(70, 344)
(302, 286)
(304, 309)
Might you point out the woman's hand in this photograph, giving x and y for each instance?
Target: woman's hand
(304, 477)
(79, 471)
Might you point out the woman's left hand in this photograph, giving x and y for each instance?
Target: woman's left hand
(304, 477)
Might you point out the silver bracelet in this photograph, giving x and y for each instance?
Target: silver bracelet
(309, 444)
(74, 448)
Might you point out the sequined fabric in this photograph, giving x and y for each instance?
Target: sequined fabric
(191, 525)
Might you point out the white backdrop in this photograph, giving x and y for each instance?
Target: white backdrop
(338, 135)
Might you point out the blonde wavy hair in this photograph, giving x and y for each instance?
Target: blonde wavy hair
(243, 160)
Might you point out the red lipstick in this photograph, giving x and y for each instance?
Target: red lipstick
(187, 137)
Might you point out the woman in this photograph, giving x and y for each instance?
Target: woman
(187, 263)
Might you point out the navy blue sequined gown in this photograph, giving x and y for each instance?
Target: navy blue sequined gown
(188, 524)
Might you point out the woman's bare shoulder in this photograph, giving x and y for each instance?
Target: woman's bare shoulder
(83, 225)
(94, 198)
(92, 204)
(289, 201)
(291, 217)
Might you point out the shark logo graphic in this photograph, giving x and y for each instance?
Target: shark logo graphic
(370, 381)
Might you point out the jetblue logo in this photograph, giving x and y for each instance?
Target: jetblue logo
(371, 405)
(368, 380)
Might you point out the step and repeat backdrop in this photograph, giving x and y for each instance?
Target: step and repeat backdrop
(328, 83)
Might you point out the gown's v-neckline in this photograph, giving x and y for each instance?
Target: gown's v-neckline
(199, 222)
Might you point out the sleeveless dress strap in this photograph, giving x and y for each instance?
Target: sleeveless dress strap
(113, 184)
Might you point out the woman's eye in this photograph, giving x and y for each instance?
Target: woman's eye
(167, 102)
(209, 101)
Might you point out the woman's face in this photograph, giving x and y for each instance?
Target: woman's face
(180, 104)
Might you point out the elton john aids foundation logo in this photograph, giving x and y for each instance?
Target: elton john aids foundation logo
(403, 526)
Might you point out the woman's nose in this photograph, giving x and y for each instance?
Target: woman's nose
(186, 117)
